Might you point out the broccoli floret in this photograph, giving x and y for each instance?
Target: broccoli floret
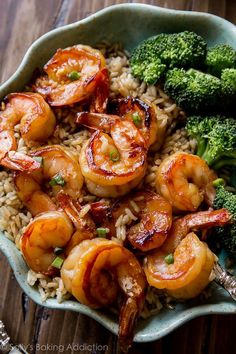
(185, 49)
(193, 90)
(198, 128)
(148, 71)
(228, 82)
(151, 59)
(145, 61)
(227, 234)
(216, 138)
(228, 79)
(220, 57)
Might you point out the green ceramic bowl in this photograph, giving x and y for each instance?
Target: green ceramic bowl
(128, 24)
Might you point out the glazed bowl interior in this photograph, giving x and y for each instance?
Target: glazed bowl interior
(127, 24)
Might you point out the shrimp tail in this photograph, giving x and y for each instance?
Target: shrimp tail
(100, 97)
(128, 316)
(70, 206)
(20, 162)
(208, 219)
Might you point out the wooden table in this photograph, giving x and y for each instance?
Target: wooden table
(21, 22)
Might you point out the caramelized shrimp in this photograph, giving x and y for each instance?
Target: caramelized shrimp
(141, 113)
(155, 222)
(94, 272)
(60, 168)
(37, 123)
(91, 78)
(192, 259)
(153, 216)
(46, 232)
(185, 180)
(85, 227)
(114, 160)
(190, 272)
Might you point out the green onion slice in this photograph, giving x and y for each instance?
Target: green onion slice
(57, 180)
(57, 263)
(136, 118)
(74, 75)
(114, 156)
(169, 259)
(101, 232)
(217, 182)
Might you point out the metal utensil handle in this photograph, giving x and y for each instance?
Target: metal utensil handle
(6, 345)
(226, 280)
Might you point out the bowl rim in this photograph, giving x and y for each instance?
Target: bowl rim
(52, 303)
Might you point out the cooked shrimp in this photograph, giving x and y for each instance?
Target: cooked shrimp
(201, 220)
(85, 227)
(189, 273)
(192, 260)
(185, 180)
(46, 232)
(60, 168)
(91, 77)
(114, 160)
(155, 222)
(93, 273)
(141, 113)
(37, 123)
(153, 216)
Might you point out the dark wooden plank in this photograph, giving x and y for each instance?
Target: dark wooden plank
(22, 21)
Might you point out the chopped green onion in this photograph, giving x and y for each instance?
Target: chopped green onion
(217, 182)
(114, 156)
(38, 159)
(136, 118)
(58, 250)
(74, 75)
(57, 263)
(169, 259)
(57, 180)
(101, 232)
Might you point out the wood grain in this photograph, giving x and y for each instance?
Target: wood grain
(22, 21)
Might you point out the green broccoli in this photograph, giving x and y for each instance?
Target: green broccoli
(220, 57)
(151, 59)
(216, 138)
(227, 234)
(228, 82)
(193, 90)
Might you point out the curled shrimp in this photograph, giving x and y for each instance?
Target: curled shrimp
(152, 216)
(113, 164)
(185, 180)
(60, 168)
(92, 78)
(37, 123)
(155, 221)
(40, 238)
(190, 271)
(96, 270)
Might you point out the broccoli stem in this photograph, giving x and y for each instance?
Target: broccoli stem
(207, 156)
(201, 146)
